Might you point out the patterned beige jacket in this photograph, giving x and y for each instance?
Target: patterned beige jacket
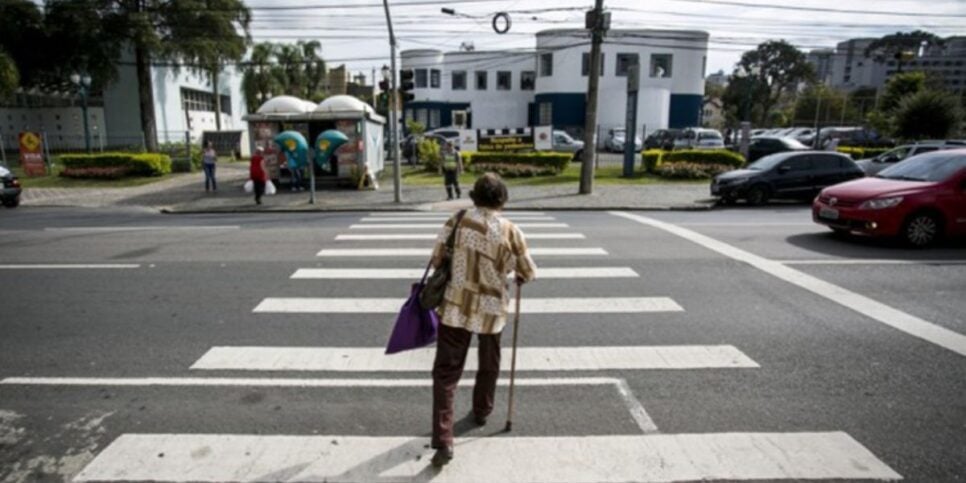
(487, 248)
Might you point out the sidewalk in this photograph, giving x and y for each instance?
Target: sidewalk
(185, 194)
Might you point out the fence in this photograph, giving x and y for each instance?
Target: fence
(177, 144)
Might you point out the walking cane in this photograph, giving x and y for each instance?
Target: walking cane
(513, 363)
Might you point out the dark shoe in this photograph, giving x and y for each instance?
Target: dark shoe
(442, 456)
(479, 420)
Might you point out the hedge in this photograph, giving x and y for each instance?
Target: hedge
(685, 170)
(137, 164)
(513, 170)
(557, 161)
(180, 163)
(861, 153)
(652, 159)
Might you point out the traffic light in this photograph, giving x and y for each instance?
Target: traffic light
(406, 85)
(383, 85)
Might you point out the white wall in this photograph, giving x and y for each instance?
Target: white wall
(491, 108)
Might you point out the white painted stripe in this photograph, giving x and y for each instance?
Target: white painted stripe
(68, 266)
(447, 214)
(432, 236)
(426, 252)
(141, 228)
(744, 224)
(437, 226)
(570, 305)
(414, 273)
(366, 359)
(894, 318)
(383, 219)
(871, 262)
(602, 459)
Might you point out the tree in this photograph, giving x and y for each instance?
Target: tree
(927, 114)
(818, 103)
(900, 86)
(290, 69)
(203, 33)
(901, 46)
(777, 69)
(9, 77)
(258, 79)
(315, 71)
(21, 36)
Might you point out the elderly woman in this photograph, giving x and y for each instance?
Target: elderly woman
(486, 250)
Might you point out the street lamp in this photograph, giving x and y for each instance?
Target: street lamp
(83, 85)
(750, 74)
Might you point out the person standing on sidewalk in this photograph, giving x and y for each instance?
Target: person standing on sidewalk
(487, 248)
(451, 166)
(256, 171)
(208, 160)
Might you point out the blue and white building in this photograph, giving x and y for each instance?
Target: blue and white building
(548, 85)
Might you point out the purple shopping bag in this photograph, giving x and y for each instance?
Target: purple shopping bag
(415, 327)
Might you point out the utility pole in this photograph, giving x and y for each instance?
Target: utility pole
(393, 114)
(597, 23)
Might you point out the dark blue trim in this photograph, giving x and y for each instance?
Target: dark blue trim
(445, 110)
(685, 110)
(569, 109)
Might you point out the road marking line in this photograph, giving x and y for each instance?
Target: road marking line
(374, 359)
(603, 459)
(140, 228)
(414, 273)
(426, 252)
(871, 262)
(438, 226)
(432, 236)
(633, 405)
(380, 219)
(563, 305)
(892, 317)
(68, 266)
(447, 214)
(698, 223)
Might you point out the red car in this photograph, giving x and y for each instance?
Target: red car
(920, 200)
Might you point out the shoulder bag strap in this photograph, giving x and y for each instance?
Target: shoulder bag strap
(450, 241)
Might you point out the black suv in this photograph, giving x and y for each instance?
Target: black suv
(790, 175)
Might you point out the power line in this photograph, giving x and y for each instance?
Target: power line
(735, 3)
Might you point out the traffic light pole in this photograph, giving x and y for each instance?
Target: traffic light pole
(590, 124)
(393, 112)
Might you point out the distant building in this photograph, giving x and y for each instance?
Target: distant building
(718, 78)
(548, 85)
(821, 60)
(712, 114)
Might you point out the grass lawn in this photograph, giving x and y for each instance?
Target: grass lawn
(52, 180)
(605, 175)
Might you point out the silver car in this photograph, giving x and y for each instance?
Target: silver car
(562, 142)
(616, 138)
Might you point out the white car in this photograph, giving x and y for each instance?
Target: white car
(616, 138)
(562, 142)
(699, 138)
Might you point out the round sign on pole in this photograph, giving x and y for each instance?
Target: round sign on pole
(501, 23)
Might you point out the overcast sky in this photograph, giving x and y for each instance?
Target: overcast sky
(353, 32)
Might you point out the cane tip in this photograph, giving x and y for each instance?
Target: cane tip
(509, 427)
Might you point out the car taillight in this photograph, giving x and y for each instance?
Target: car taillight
(15, 183)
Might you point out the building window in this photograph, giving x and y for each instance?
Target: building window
(195, 100)
(481, 80)
(546, 65)
(434, 78)
(661, 65)
(528, 80)
(422, 117)
(585, 64)
(546, 114)
(408, 114)
(624, 63)
(504, 79)
(434, 118)
(459, 80)
(421, 79)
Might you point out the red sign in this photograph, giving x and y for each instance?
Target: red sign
(32, 154)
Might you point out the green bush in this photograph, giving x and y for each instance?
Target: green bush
(557, 161)
(513, 170)
(181, 165)
(176, 151)
(137, 164)
(651, 159)
(705, 156)
(429, 153)
(686, 170)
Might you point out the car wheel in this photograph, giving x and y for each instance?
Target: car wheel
(757, 195)
(921, 229)
(11, 202)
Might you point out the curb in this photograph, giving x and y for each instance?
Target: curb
(416, 209)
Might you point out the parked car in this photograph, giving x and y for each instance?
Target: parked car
(449, 133)
(804, 135)
(873, 166)
(790, 175)
(662, 139)
(562, 142)
(758, 132)
(699, 138)
(764, 145)
(920, 200)
(9, 188)
(616, 138)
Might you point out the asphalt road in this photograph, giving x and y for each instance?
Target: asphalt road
(846, 355)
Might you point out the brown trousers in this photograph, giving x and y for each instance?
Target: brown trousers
(452, 344)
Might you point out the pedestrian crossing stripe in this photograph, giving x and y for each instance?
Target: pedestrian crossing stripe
(374, 359)
(433, 236)
(437, 226)
(382, 219)
(405, 214)
(605, 459)
(415, 273)
(529, 305)
(426, 252)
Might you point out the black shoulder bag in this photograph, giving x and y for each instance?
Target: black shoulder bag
(435, 289)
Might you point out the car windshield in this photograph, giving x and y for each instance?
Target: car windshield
(768, 162)
(929, 167)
